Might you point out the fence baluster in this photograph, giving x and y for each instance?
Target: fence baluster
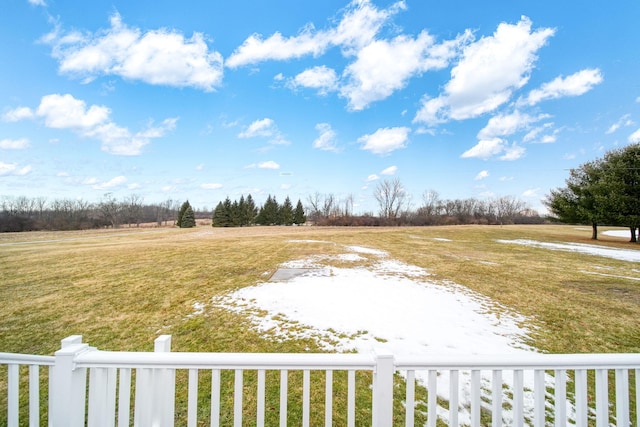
(496, 398)
(602, 398)
(453, 398)
(560, 397)
(124, 397)
(283, 397)
(539, 390)
(622, 398)
(351, 398)
(475, 398)
(306, 396)
(581, 397)
(410, 400)
(13, 398)
(215, 398)
(518, 398)
(237, 399)
(328, 398)
(34, 396)
(260, 397)
(192, 403)
(432, 389)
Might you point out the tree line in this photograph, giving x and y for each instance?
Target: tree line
(244, 212)
(605, 191)
(33, 214)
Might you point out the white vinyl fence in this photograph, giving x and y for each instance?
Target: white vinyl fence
(101, 388)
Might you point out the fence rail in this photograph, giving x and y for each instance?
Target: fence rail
(90, 387)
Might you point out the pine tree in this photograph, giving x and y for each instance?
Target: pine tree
(286, 212)
(181, 212)
(252, 210)
(188, 218)
(299, 217)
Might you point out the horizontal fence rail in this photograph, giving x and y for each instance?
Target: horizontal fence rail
(90, 387)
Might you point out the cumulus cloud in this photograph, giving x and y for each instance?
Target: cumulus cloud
(635, 137)
(268, 165)
(574, 85)
(359, 25)
(391, 170)
(14, 144)
(485, 149)
(482, 175)
(327, 139)
(106, 185)
(13, 169)
(158, 57)
(67, 112)
(321, 78)
(385, 66)
(372, 177)
(488, 73)
(264, 128)
(17, 114)
(507, 124)
(385, 140)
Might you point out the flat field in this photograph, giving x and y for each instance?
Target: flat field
(122, 288)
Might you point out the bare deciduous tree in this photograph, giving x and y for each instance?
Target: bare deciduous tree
(391, 198)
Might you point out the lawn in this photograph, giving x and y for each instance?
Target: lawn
(122, 288)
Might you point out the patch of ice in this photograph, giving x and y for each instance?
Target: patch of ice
(363, 250)
(619, 254)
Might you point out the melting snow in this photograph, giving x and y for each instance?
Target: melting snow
(619, 254)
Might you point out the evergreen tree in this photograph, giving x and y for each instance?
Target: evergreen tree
(251, 210)
(181, 212)
(269, 212)
(299, 217)
(286, 212)
(188, 218)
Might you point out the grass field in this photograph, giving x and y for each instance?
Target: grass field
(122, 288)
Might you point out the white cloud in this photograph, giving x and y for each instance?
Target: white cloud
(211, 186)
(358, 27)
(391, 170)
(114, 182)
(285, 186)
(635, 137)
(14, 144)
(623, 121)
(322, 78)
(482, 175)
(264, 127)
(573, 85)
(514, 152)
(66, 112)
(327, 138)
(37, 2)
(532, 192)
(487, 74)
(485, 149)
(17, 114)
(383, 67)
(268, 165)
(13, 169)
(507, 124)
(385, 140)
(372, 177)
(158, 57)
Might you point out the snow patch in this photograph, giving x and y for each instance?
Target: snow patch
(619, 254)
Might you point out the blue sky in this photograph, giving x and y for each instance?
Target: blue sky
(204, 100)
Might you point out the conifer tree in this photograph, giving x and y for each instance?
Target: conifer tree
(181, 212)
(299, 217)
(252, 210)
(286, 212)
(188, 218)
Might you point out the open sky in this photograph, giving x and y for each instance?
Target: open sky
(204, 100)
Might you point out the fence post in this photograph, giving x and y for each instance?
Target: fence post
(67, 385)
(382, 401)
(155, 391)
